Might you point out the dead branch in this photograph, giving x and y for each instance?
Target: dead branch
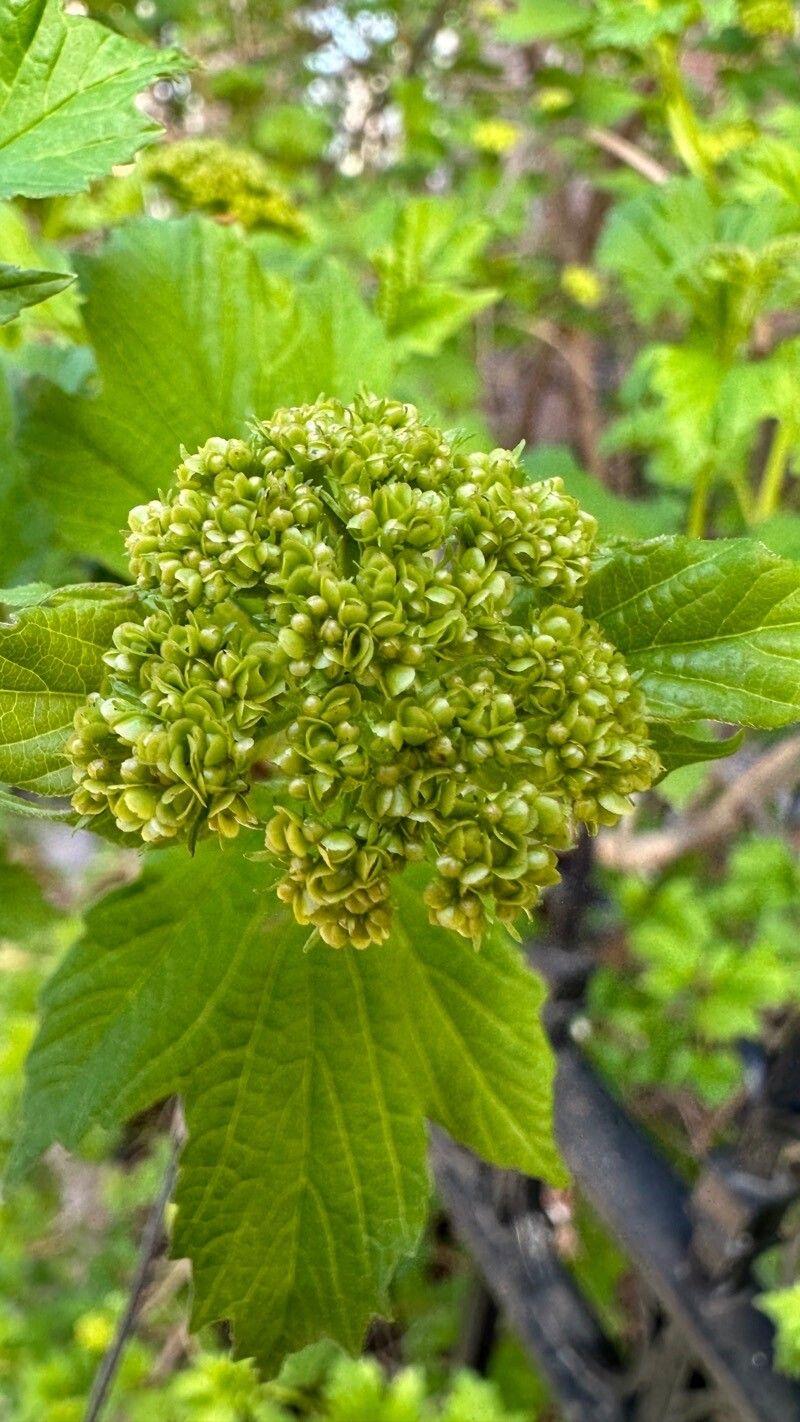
(151, 1237)
(653, 851)
(629, 154)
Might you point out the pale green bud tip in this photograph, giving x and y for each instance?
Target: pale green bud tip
(351, 602)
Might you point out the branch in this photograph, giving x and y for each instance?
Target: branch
(151, 1235)
(629, 154)
(654, 851)
(419, 47)
(560, 341)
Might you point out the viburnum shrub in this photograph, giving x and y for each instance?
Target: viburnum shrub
(352, 601)
(355, 683)
(366, 685)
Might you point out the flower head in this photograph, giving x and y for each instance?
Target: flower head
(393, 626)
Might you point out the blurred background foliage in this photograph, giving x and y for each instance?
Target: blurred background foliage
(573, 225)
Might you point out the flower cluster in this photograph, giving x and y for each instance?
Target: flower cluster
(391, 624)
(207, 175)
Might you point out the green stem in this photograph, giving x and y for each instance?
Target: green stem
(769, 493)
(682, 121)
(698, 508)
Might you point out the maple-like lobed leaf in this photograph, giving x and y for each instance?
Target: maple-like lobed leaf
(480, 1053)
(305, 1077)
(67, 86)
(427, 291)
(192, 339)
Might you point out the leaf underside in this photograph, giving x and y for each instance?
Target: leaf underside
(21, 287)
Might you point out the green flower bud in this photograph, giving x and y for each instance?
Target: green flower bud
(393, 626)
(169, 746)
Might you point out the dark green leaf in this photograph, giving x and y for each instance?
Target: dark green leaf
(682, 743)
(24, 910)
(24, 520)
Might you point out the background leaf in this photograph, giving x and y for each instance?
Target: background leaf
(22, 245)
(425, 294)
(682, 743)
(540, 19)
(191, 339)
(23, 908)
(617, 517)
(781, 534)
(24, 520)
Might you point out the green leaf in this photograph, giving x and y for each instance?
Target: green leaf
(24, 247)
(330, 1187)
(329, 316)
(636, 24)
(767, 170)
(20, 287)
(66, 91)
(31, 809)
(305, 1078)
(28, 595)
(50, 659)
(783, 1307)
(474, 1018)
(681, 743)
(24, 910)
(655, 242)
(192, 339)
(23, 518)
(672, 394)
(432, 313)
(781, 534)
(712, 628)
(423, 299)
(541, 19)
